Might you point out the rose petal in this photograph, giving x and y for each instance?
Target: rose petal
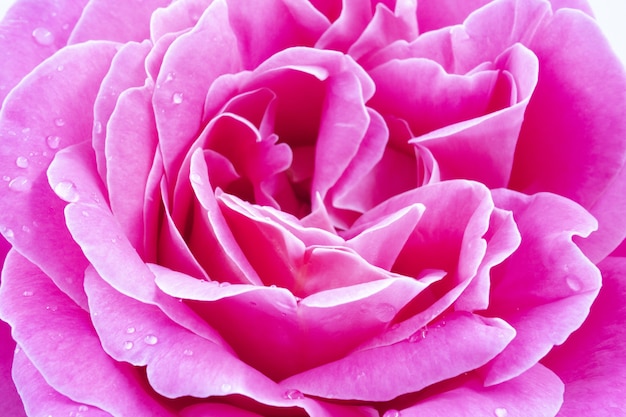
(589, 363)
(58, 338)
(537, 392)
(436, 14)
(31, 31)
(582, 148)
(47, 110)
(384, 373)
(544, 289)
(176, 17)
(120, 21)
(11, 404)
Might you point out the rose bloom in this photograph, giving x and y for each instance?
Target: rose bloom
(311, 208)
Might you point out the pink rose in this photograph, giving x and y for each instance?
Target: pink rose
(322, 208)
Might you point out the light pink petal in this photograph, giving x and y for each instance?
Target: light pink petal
(130, 148)
(40, 398)
(126, 71)
(544, 289)
(120, 21)
(483, 149)
(590, 363)
(31, 31)
(384, 373)
(179, 362)
(436, 14)
(11, 404)
(581, 152)
(260, 34)
(537, 392)
(184, 80)
(44, 114)
(102, 239)
(176, 17)
(582, 5)
(58, 338)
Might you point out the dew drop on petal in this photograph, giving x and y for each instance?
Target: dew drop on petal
(8, 233)
(97, 127)
(83, 408)
(574, 283)
(59, 122)
(195, 178)
(501, 412)
(391, 413)
(177, 98)
(151, 340)
(66, 190)
(188, 352)
(293, 394)
(128, 345)
(21, 162)
(27, 293)
(43, 36)
(169, 77)
(53, 142)
(419, 335)
(60, 68)
(19, 184)
(130, 330)
(6, 178)
(384, 312)
(226, 387)
(224, 284)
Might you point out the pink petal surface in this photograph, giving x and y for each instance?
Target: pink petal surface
(544, 290)
(36, 121)
(583, 147)
(11, 404)
(31, 31)
(537, 392)
(120, 21)
(383, 373)
(590, 363)
(58, 338)
(40, 398)
(178, 16)
(126, 71)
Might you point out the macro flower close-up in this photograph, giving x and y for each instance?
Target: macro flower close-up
(359, 208)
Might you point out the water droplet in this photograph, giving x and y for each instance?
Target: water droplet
(21, 162)
(384, 312)
(293, 394)
(501, 412)
(419, 335)
(83, 408)
(151, 340)
(130, 330)
(26, 130)
(66, 190)
(177, 98)
(25, 229)
(188, 352)
(19, 184)
(128, 345)
(226, 387)
(97, 127)
(85, 213)
(53, 142)
(574, 283)
(60, 68)
(43, 36)
(66, 26)
(8, 233)
(391, 413)
(170, 77)
(196, 178)
(27, 293)
(224, 284)
(59, 122)
(6, 178)
(52, 308)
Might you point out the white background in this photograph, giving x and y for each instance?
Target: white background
(611, 15)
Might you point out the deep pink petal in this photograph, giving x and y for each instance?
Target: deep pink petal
(215, 410)
(11, 404)
(58, 338)
(590, 363)
(120, 21)
(544, 289)
(47, 110)
(581, 152)
(436, 14)
(384, 373)
(537, 392)
(31, 31)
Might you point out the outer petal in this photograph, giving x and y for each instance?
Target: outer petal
(591, 362)
(572, 141)
(46, 113)
(536, 393)
(30, 32)
(120, 21)
(544, 289)
(11, 404)
(58, 338)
